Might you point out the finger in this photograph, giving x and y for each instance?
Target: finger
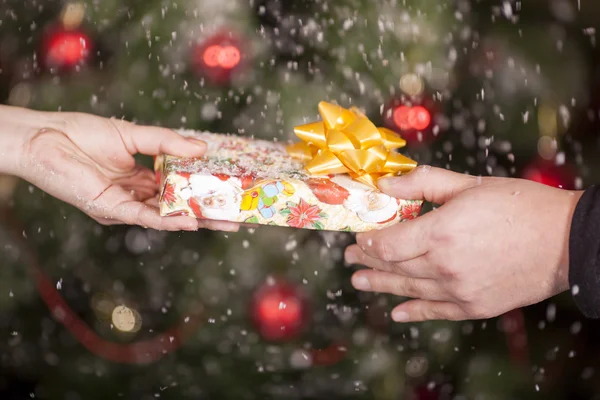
(223, 226)
(136, 213)
(415, 268)
(428, 183)
(116, 203)
(399, 285)
(355, 255)
(152, 202)
(153, 140)
(106, 221)
(424, 310)
(249, 226)
(400, 242)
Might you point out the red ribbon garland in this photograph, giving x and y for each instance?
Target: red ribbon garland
(152, 350)
(142, 352)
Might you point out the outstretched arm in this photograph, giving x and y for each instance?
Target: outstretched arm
(88, 161)
(16, 126)
(494, 245)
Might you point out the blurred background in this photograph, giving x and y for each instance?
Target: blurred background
(504, 88)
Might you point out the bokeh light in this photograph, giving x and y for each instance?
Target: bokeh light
(67, 48)
(126, 319)
(416, 117)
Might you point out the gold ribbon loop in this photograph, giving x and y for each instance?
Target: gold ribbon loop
(346, 141)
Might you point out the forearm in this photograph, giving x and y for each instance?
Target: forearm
(584, 253)
(17, 125)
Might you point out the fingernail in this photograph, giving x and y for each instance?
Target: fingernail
(385, 183)
(361, 283)
(364, 241)
(197, 142)
(400, 316)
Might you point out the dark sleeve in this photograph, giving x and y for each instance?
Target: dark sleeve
(584, 253)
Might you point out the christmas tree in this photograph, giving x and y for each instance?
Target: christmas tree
(498, 88)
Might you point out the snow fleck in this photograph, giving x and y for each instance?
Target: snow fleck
(575, 290)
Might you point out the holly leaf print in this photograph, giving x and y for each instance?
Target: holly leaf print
(318, 225)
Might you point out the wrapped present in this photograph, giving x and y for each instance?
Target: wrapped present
(308, 185)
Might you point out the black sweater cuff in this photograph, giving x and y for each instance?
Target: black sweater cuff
(584, 253)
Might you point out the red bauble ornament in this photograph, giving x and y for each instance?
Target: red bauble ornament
(406, 118)
(400, 117)
(413, 122)
(66, 48)
(548, 173)
(279, 311)
(219, 57)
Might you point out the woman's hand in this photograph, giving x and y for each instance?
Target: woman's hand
(494, 245)
(88, 161)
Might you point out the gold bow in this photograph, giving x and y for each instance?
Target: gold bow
(347, 142)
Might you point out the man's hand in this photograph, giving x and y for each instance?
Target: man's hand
(494, 245)
(88, 161)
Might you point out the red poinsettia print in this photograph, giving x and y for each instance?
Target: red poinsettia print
(410, 211)
(168, 194)
(303, 215)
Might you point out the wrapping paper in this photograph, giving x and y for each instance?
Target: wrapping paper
(258, 182)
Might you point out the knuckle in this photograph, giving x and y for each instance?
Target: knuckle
(447, 271)
(464, 294)
(475, 311)
(399, 267)
(455, 316)
(435, 312)
(382, 250)
(441, 237)
(139, 215)
(412, 288)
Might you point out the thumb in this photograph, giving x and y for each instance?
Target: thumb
(435, 185)
(153, 140)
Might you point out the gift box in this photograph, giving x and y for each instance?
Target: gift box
(261, 182)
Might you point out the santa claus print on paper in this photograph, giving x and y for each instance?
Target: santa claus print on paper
(213, 198)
